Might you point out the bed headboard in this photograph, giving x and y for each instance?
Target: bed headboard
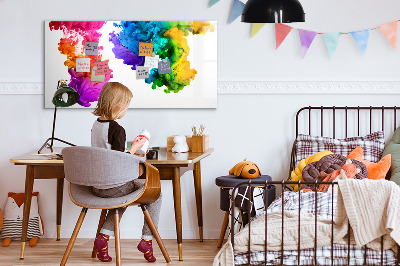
(344, 121)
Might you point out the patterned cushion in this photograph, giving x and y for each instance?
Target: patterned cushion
(372, 144)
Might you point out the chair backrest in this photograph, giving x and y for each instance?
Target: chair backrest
(92, 166)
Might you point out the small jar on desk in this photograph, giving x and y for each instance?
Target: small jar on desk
(228, 182)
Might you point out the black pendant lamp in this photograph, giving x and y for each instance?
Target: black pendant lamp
(273, 11)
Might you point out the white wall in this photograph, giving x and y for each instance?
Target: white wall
(259, 127)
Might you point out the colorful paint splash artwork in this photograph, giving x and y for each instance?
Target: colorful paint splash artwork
(170, 43)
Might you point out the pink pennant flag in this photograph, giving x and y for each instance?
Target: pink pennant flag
(389, 30)
(306, 39)
(281, 31)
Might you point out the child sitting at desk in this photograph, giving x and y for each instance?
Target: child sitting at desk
(113, 103)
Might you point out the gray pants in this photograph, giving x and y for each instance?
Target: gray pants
(154, 208)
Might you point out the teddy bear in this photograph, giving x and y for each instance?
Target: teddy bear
(180, 144)
(245, 169)
(13, 215)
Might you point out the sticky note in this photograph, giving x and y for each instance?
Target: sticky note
(164, 67)
(142, 72)
(151, 62)
(82, 64)
(91, 48)
(145, 48)
(102, 67)
(97, 78)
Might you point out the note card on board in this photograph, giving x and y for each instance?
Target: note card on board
(142, 72)
(145, 48)
(91, 48)
(97, 78)
(151, 62)
(82, 64)
(102, 67)
(164, 67)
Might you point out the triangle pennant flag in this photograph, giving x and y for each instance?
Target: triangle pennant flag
(213, 2)
(361, 37)
(332, 41)
(256, 27)
(281, 31)
(389, 30)
(237, 8)
(306, 39)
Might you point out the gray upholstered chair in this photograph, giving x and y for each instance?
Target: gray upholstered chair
(85, 167)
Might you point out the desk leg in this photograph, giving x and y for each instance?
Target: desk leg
(176, 182)
(199, 204)
(60, 190)
(27, 206)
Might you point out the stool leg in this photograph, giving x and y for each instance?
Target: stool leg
(117, 239)
(101, 222)
(223, 229)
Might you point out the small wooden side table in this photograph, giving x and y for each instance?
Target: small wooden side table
(226, 183)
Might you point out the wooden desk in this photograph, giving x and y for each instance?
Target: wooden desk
(171, 167)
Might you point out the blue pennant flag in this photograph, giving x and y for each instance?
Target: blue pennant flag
(213, 2)
(237, 8)
(332, 41)
(361, 37)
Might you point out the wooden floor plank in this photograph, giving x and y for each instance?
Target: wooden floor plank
(49, 252)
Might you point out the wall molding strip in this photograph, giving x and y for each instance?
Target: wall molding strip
(260, 87)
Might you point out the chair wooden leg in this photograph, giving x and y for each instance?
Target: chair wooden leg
(73, 237)
(117, 239)
(154, 230)
(101, 222)
(223, 229)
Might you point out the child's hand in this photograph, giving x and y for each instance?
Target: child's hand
(143, 155)
(137, 144)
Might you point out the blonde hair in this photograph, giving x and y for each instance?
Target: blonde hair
(113, 98)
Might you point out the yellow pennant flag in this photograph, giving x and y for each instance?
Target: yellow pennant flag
(255, 28)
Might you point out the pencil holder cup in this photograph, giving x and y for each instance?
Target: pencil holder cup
(200, 143)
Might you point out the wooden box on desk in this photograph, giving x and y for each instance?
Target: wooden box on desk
(200, 143)
(171, 143)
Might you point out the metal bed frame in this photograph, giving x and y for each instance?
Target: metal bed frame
(283, 184)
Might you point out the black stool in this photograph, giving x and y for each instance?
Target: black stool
(226, 183)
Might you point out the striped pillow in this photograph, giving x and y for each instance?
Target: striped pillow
(372, 145)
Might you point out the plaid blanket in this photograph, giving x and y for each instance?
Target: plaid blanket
(323, 205)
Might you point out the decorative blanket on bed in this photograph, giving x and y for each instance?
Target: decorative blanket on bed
(372, 206)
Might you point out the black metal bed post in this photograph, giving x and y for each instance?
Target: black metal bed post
(333, 192)
(315, 221)
(298, 238)
(266, 221)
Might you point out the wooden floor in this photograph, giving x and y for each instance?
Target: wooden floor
(50, 252)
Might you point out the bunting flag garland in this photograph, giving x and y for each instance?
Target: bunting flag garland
(213, 2)
(237, 8)
(281, 31)
(389, 30)
(361, 37)
(332, 41)
(256, 27)
(306, 39)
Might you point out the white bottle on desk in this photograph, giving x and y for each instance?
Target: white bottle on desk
(144, 134)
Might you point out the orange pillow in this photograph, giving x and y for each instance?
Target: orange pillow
(375, 170)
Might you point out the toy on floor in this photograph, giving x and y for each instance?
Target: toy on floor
(180, 144)
(245, 169)
(13, 215)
